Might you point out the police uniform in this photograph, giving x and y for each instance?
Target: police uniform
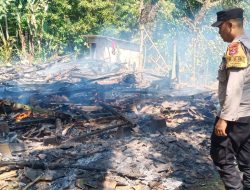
(233, 151)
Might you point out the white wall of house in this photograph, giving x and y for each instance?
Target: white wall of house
(115, 51)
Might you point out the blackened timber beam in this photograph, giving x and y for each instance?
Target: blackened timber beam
(41, 165)
(121, 116)
(34, 164)
(25, 124)
(81, 137)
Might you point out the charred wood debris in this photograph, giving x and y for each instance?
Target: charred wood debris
(65, 127)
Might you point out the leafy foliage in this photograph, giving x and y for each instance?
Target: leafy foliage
(37, 29)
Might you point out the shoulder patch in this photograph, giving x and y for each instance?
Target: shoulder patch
(236, 56)
(233, 48)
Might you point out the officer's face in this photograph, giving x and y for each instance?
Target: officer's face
(225, 31)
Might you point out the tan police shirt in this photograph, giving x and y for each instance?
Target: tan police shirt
(234, 81)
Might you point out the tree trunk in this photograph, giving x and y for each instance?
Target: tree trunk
(31, 45)
(23, 43)
(7, 29)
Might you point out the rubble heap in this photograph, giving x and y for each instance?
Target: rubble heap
(64, 127)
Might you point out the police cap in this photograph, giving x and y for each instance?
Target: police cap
(227, 15)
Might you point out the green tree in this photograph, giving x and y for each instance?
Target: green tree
(6, 41)
(41, 28)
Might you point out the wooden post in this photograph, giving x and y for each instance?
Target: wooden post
(175, 65)
(142, 27)
(141, 58)
(173, 73)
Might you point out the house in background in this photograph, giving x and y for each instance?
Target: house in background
(112, 50)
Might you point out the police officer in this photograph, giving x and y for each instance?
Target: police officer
(230, 140)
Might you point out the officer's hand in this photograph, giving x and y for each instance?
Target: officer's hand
(220, 128)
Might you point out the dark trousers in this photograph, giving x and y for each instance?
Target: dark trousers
(231, 155)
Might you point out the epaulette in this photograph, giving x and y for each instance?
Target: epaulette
(236, 56)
